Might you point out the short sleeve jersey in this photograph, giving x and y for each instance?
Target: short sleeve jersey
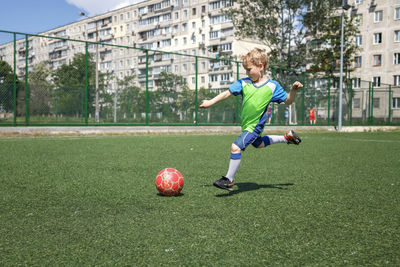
(255, 101)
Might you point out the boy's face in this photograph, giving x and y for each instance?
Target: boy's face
(253, 71)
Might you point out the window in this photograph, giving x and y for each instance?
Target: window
(396, 58)
(214, 35)
(396, 80)
(378, 16)
(226, 76)
(310, 7)
(193, 80)
(214, 78)
(193, 25)
(359, 19)
(376, 82)
(194, 11)
(356, 103)
(184, 25)
(358, 2)
(185, 14)
(397, 13)
(358, 40)
(396, 103)
(376, 102)
(176, 15)
(397, 36)
(203, 9)
(184, 40)
(357, 83)
(203, 79)
(358, 62)
(377, 60)
(184, 67)
(378, 38)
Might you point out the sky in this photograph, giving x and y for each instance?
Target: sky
(36, 16)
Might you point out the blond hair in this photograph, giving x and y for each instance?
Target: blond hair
(256, 56)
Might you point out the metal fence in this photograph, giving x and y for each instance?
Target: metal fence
(50, 80)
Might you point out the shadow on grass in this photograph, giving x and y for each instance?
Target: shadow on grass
(178, 195)
(244, 187)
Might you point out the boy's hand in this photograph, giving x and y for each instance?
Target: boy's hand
(297, 85)
(206, 104)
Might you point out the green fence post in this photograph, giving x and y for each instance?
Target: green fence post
(369, 102)
(237, 97)
(57, 105)
(26, 81)
(196, 94)
(329, 101)
(147, 87)
(15, 80)
(390, 104)
(303, 98)
(351, 101)
(86, 84)
(372, 104)
(273, 106)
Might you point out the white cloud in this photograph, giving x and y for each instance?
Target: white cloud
(95, 7)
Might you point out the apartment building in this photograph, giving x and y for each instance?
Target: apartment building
(195, 27)
(379, 39)
(379, 59)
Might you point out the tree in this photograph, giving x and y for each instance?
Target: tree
(41, 89)
(70, 85)
(276, 24)
(131, 99)
(170, 96)
(292, 28)
(6, 87)
(323, 22)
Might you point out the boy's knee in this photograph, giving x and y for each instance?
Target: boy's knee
(260, 145)
(235, 149)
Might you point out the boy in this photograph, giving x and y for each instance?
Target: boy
(257, 91)
(312, 116)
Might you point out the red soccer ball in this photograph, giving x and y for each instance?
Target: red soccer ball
(169, 182)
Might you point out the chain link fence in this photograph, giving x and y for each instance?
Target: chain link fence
(52, 80)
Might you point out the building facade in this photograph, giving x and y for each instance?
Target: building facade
(193, 27)
(379, 39)
(378, 61)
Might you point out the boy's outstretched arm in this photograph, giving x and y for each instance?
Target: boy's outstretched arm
(292, 94)
(221, 96)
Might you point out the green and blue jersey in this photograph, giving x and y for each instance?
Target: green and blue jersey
(255, 101)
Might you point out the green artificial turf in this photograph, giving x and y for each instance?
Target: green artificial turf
(332, 201)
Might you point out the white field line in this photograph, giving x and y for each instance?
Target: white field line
(364, 140)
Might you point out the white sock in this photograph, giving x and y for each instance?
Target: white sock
(274, 139)
(233, 166)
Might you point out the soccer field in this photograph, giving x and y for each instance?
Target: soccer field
(334, 200)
